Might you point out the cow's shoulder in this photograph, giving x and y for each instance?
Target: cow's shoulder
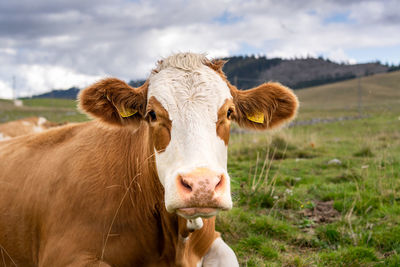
(57, 136)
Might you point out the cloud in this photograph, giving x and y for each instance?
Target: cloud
(57, 44)
(48, 76)
(6, 90)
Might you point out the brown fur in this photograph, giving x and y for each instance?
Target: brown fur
(277, 102)
(224, 123)
(24, 126)
(104, 100)
(90, 196)
(161, 128)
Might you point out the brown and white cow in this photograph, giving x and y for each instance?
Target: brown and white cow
(138, 186)
(25, 126)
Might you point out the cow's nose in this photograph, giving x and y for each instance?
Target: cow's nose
(201, 184)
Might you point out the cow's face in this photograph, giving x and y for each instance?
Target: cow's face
(189, 110)
(189, 105)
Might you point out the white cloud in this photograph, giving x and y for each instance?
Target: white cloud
(5, 90)
(57, 45)
(339, 55)
(36, 79)
(42, 77)
(8, 51)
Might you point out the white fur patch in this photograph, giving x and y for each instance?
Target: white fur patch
(39, 125)
(183, 61)
(220, 255)
(41, 121)
(37, 129)
(194, 224)
(4, 137)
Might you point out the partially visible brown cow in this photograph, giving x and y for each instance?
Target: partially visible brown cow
(24, 126)
(139, 186)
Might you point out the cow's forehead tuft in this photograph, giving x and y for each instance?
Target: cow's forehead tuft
(183, 61)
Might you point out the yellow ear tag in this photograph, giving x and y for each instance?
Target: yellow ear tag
(127, 113)
(257, 117)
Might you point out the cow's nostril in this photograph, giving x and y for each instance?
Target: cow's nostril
(186, 185)
(221, 180)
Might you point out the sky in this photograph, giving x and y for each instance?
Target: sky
(54, 44)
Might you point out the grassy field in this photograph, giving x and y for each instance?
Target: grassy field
(322, 194)
(319, 195)
(57, 110)
(378, 93)
(326, 194)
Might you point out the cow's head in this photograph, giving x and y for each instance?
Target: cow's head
(189, 106)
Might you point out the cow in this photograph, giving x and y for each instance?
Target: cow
(25, 126)
(139, 185)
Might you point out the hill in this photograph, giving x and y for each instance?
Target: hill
(70, 93)
(247, 72)
(376, 90)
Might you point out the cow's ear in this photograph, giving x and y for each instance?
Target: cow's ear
(114, 101)
(266, 106)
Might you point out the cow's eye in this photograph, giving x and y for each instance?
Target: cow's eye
(152, 115)
(228, 114)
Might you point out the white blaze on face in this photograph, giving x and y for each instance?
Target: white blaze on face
(192, 98)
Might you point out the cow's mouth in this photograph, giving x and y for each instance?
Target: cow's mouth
(195, 212)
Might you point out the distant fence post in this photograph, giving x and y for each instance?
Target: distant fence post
(359, 94)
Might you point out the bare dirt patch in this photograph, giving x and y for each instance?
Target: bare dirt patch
(323, 212)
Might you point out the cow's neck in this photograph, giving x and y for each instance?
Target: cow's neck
(143, 205)
(141, 171)
(146, 189)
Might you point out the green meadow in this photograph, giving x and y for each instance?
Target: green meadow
(318, 194)
(57, 110)
(324, 194)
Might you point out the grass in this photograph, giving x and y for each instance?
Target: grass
(57, 110)
(378, 91)
(363, 230)
(362, 225)
(50, 102)
(292, 208)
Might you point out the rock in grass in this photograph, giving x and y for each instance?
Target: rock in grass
(334, 162)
